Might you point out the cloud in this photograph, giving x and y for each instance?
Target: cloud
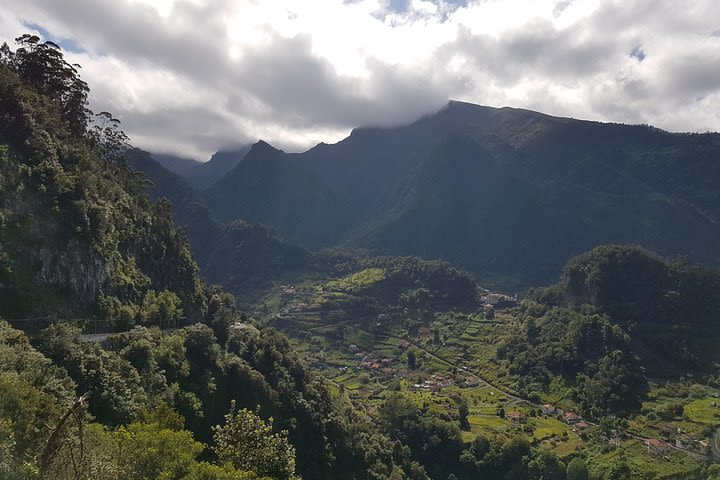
(193, 76)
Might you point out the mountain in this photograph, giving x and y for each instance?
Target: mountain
(82, 244)
(181, 166)
(202, 175)
(246, 252)
(206, 174)
(236, 255)
(508, 193)
(202, 228)
(268, 186)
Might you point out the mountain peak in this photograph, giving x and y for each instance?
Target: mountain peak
(263, 146)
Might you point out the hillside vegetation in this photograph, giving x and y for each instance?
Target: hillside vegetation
(509, 194)
(80, 239)
(118, 361)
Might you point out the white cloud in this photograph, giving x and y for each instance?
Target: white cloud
(191, 76)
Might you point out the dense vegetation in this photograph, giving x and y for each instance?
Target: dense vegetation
(509, 194)
(670, 308)
(192, 388)
(75, 225)
(80, 237)
(585, 349)
(131, 379)
(618, 311)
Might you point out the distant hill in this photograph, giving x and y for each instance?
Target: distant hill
(181, 166)
(510, 194)
(246, 252)
(669, 308)
(202, 175)
(268, 186)
(236, 254)
(206, 174)
(201, 226)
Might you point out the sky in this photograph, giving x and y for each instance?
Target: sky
(189, 77)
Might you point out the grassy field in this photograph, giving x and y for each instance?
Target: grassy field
(544, 428)
(642, 463)
(704, 411)
(357, 281)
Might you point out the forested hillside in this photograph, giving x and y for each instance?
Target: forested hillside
(510, 194)
(268, 187)
(81, 239)
(76, 226)
(118, 360)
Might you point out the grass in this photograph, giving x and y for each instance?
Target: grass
(565, 447)
(488, 423)
(360, 338)
(357, 281)
(702, 411)
(643, 464)
(548, 427)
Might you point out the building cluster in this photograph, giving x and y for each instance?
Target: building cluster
(657, 447)
(435, 383)
(287, 291)
(570, 418)
(673, 435)
(375, 364)
(498, 300)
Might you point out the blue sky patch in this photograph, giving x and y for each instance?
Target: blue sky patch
(401, 6)
(67, 44)
(639, 53)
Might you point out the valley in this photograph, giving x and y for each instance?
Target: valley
(455, 374)
(482, 293)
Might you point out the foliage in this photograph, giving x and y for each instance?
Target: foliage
(671, 305)
(248, 442)
(76, 227)
(577, 470)
(575, 344)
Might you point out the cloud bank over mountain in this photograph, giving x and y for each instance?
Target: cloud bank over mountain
(192, 76)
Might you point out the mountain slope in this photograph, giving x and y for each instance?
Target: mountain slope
(202, 228)
(484, 207)
(181, 166)
(76, 227)
(268, 187)
(207, 174)
(511, 194)
(250, 252)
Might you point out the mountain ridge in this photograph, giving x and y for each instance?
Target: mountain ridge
(613, 183)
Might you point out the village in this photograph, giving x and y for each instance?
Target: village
(367, 354)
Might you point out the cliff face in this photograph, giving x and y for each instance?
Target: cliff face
(75, 221)
(84, 272)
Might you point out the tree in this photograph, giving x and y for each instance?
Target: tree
(411, 359)
(463, 412)
(546, 466)
(162, 309)
(577, 470)
(248, 443)
(618, 386)
(42, 66)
